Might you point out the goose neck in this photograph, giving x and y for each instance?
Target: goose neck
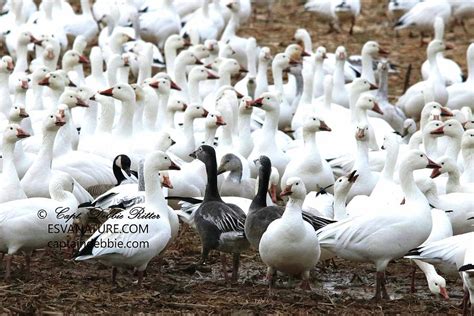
(210, 136)
(260, 199)
(293, 210)
(453, 184)
(367, 70)
(454, 147)
(270, 125)
(412, 193)
(211, 193)
(107, 115)
(391, 160)
(194, 95)
(125, 123)
(277, 77)
(382, 92)
(9, 169)
(22, 59)
(153, 193)
(309, 139)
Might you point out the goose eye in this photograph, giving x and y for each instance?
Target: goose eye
(297, 183)
(54, 77)
(268, 98)
(11, 128)
(166, 158)
(442, 163)
(212, 115)
(450, 125)
(198, 107)
(436, 284)
(51, 116)
(314, 119)
(421, 156)
(119, 87)
(70, 96)
(340, 180)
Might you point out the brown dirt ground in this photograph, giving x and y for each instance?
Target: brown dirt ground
(58, 284)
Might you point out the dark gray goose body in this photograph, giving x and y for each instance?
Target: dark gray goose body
(260, 215)
(220, 225)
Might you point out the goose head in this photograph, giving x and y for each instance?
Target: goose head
(320, 54)
(201, 73)
(313, 124)
(25, 38)
(139, 92)
(72, 100)
(225, 51)
(296, 52)
(164, 141)
(55, 80)
(417, 159)
(373, 49)
(268, 101)
(368, 102)
(234, 6)
(204, 153)
(360, 85)
(72, 58)
(409, 127)
(294, 188)
(432, 107)
(453, 128)
(200, 51)
(468, 125)
(343, 185)
(195, 111)
(13, 133)
(186, 57)
(437, 46)
(123, 162)
(212, 46)
(467, 141)
(121, 37)
(446, 165)
(121, 91)
(362, 133)
(22, 84)
(390, 140)
(383, 66)
(265, 55)
(163, 83)
(39, 74)
(341, 54)
(434, 128)
(214, 119)
(176, 105)
(245, 106)
(283, 61)
(229, 162)
(6, 65)
(17, 113)
(157, 161)
(165, 179)
(229, 66)
(53, 122)
(437, 285)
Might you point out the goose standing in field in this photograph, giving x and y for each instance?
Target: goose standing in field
(467, 150)
(412, 101)
(448, 165)
(220, 225)
(10, 187)
(290, 244)
(450, 70)
(21, 227)
(335, 12)
(410, 224)
(145, 244)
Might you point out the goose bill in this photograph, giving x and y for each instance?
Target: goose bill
(286, 191)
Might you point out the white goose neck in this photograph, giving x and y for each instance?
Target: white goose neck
(125, 123)
(367, 70)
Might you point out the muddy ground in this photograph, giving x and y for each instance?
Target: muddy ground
(57, 284)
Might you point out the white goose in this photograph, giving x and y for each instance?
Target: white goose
(297, 249)
(153, 214)
(21, 227)
(467, 148)
(449, 69)
(10, 187)
(410, 224)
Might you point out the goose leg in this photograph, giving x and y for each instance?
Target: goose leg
(413, 272)
(140, 278)
(465, 303)
(114, 275)
(305, 283)
(271, 273)
(378, 286)
(8, 266)
(235, 267)
(27, 263)
(383, 288)
(353, 21)
(224, 266)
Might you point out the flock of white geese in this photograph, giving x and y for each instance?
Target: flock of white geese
(183, 125)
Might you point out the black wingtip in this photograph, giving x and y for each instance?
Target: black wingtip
(184, 198)
(414, 252)
(85, 204)
(87, 249)
(466, 267)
